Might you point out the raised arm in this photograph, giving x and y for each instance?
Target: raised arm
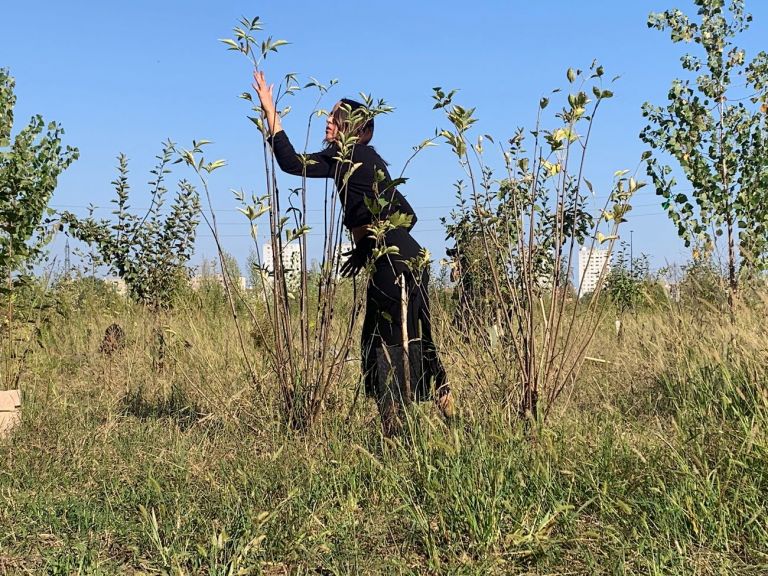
(317, 165)
(264, 92)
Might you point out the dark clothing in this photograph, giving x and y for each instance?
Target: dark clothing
(382, 335)
(360, 185)
(383, 323)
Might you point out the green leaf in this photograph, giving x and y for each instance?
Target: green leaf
(276, 44)
(602, 238)
(230, 43)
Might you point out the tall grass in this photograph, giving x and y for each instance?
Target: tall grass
(657, 464)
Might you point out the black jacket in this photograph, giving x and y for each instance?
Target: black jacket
(361, 183)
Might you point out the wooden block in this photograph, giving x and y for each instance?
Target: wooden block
(10, 411)
(10, 400)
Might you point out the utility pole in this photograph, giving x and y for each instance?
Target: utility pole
(67, 262)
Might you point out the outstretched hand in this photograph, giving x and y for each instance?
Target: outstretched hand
(263, 91)
(353, 264)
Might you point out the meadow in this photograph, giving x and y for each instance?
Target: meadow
(655, 462)
(222, 431)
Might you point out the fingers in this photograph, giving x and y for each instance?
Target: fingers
(349, 269)
(352, 270)
(260, 83)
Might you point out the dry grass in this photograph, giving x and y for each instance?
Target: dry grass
(656, 464)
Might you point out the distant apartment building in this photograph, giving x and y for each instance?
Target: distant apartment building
(672, 290)
(339, 257)
(591, 263)
(291, 259)
(117, 284)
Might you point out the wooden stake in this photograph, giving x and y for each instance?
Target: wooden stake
(406, 383)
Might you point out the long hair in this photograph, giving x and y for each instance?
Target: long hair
(354, 118)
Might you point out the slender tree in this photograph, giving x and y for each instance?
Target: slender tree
(714, 126)
(30, 165)
(149, 252)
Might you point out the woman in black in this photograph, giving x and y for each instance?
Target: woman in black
(386, 368)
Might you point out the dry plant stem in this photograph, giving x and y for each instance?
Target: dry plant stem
(484, 232)
(498, 293)
(591, 322)
(304, 288)
(522, 342)
(518, 308)
(560, 380)
(406, 383)
(343, 339)
(9, 320)
(282, 329)
(557, 312)
(321, 375)
(287, 371)
(478, 323)
(327, 286)
(278, 351)
(582, 342)
(530, 383)
(320, 364)
(331, 355)
(212, 225)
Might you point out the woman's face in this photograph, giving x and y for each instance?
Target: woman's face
(331, 128)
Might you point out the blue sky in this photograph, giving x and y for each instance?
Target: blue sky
(124, 77)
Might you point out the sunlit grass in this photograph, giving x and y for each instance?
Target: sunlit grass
(656, 464)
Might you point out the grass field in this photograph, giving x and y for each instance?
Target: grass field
(655, 463)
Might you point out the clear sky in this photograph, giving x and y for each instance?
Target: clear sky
(125, 76)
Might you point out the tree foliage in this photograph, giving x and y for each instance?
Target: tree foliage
(516, 237)
(714, 125)
(30, 165)
(629, 280)
(149, 252)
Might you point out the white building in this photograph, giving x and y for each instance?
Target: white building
(291, 259)
(591, 263)
(117, 284)
(339, 257)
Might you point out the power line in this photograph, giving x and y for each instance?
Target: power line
(217, 210)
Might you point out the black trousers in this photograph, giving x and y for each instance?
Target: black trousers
(382, 338)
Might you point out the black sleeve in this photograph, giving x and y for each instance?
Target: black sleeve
(316, 165)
